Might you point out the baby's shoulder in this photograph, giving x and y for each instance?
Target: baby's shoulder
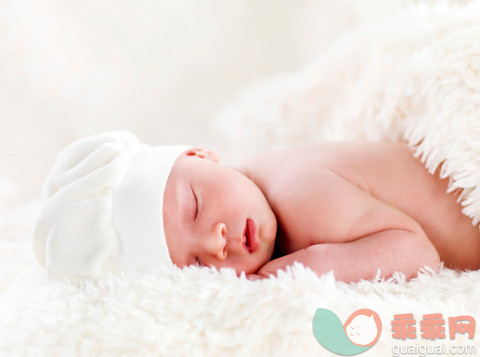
(279, 171)
(317, 192)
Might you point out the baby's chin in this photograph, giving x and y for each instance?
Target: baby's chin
(265, 261)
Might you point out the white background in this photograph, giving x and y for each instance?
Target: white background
(161, 69)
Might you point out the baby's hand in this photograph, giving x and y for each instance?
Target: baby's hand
(261, 274)
(256, 277)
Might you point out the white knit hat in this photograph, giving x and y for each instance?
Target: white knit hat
(103, 209)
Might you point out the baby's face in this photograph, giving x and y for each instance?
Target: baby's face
(205, 210)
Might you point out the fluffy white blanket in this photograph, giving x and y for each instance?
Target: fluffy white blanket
(414, 76)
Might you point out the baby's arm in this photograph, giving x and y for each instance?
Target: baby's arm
(390, 250)
(380, 237)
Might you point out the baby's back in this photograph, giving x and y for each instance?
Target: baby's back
(291, 178)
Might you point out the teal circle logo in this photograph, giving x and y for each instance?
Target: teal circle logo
(359, 333)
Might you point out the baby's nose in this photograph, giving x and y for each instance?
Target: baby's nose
(217, 245)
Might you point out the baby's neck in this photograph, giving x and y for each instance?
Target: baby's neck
(240, 169)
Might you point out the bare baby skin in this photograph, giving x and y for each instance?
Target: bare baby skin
(350, 207)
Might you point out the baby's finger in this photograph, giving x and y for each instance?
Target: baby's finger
(254, 277)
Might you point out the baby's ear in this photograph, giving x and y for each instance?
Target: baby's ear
(203, 154)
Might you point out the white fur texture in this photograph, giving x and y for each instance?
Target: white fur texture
(413, 75)
(200, 312)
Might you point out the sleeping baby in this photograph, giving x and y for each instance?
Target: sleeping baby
(113, 204)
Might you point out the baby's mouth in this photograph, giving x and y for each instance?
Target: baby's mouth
(245, 240)
(249, 240)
